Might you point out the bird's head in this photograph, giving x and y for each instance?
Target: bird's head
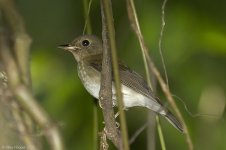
(84, 47)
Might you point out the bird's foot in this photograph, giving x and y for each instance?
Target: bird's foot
(117, 124)
(100, 104)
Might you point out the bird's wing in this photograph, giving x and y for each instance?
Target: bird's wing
(130, 79)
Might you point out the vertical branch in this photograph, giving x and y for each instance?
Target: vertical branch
(160, 40)
(151, 130)
(136, 28)
(162, 141)
(164, 67)
(107, 11)
(106, 86)
(87, 6)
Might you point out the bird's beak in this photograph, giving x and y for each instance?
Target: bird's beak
(66, 47)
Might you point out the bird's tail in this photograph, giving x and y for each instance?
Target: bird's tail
(174, 121)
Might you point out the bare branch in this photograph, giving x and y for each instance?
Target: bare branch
(107, 11)
(106, 87)
(87, 7)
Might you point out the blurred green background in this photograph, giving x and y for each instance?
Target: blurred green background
(194, 48)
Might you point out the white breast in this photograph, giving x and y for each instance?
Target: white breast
(88, 82)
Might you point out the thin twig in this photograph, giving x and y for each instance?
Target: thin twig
(151, 130)
(87, 7)
(136, 28)
(160, 40)
(162, 141)
(138, 132)
(107, 9)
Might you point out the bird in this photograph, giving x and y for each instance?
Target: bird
(88, 52)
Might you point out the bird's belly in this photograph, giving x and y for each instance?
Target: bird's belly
(130, 97)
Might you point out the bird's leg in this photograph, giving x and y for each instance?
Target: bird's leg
(117, 124)
(117, 114)
(100, 104)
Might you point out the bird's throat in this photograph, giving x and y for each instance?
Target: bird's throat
(90, 78)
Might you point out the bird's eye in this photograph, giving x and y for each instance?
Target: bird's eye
(85, 43)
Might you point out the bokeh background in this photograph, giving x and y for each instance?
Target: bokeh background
(194, 48)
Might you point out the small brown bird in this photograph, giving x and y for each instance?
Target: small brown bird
(87, 50)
